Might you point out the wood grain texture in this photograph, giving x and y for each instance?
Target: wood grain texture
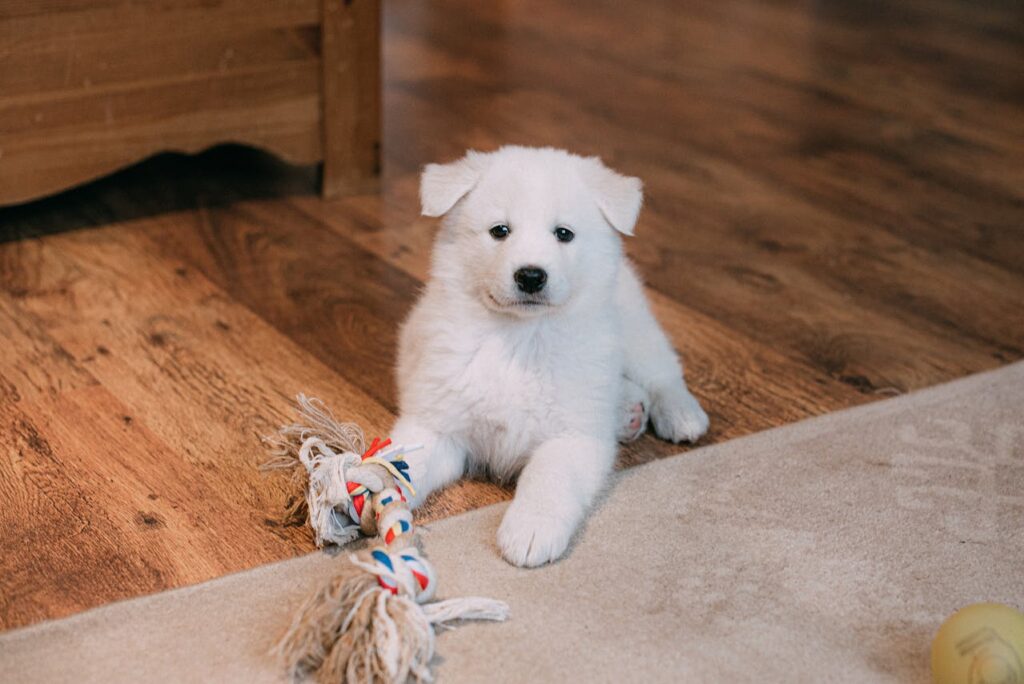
(834, 214)
(89, 87)
(351, 96)
(195, 394)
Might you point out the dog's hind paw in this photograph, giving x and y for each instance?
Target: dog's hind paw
(633, 412)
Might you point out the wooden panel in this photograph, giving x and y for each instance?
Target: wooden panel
(76, 65)
(27, 21)
(351, 96)
(89, 87)
(49, 145)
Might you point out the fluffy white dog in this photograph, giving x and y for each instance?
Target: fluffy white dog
(532, 349)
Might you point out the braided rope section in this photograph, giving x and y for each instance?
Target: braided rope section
(373, 621)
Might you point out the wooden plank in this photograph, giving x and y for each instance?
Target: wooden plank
(46, 146)
(32, 364)
(188, 383)
(176, 349)
(40, 521)
(351, 96)
(40, 511)
(335, 299)
(28, 22)
(89, 87)
(76, 65)
(93, 511)
(69, 530)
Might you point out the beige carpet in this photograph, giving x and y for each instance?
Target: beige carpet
(829, 551)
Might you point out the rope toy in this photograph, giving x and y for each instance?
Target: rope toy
(375, 620)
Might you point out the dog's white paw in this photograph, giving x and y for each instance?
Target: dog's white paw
(678, 417)
(528, 538)
(633, 412)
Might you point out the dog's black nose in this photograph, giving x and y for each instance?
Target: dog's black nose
(531, 279)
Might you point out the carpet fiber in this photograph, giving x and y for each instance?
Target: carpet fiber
(829, 550)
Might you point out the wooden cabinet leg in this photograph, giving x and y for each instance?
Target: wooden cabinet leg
(351, 96)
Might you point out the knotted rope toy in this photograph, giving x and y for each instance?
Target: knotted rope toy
(374, 621)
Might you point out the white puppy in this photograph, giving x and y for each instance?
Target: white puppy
(532, 349)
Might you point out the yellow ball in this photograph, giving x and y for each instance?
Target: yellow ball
(980, 644)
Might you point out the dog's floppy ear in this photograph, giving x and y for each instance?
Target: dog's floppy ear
(619, 197)
(442, 185)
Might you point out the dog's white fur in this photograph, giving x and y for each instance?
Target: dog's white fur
(537, 386)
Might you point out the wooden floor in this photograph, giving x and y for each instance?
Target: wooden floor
(835, 214)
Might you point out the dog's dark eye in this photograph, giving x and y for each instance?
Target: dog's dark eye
(500, 231)
(564, 234)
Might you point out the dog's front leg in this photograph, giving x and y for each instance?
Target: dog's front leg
(554, 491)
(440, 461)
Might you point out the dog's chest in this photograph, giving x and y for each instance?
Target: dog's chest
(513, 394)
(506, 377)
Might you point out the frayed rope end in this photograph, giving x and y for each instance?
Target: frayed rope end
(375, 620)
(441, 613)
(356, 628)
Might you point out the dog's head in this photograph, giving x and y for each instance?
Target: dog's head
(529, 230)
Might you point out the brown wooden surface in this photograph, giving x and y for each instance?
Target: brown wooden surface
(835, 205)
(90, 86)
(351, 96)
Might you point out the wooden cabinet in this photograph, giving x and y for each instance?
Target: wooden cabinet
(90, 86)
